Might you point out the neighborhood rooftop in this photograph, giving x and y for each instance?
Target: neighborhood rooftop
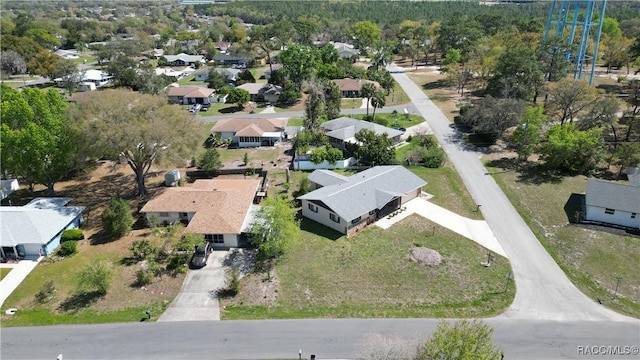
(612, 195)
(370, 189)
(238, 125)
(345, 128)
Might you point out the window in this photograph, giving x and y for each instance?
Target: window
(609, 211)
(313, 208)
(215, 238)
(356, 220)
(633, 215)
(334, 217)
(164, 214)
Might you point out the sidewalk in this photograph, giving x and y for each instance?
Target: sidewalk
(15, 276)
(476, 230)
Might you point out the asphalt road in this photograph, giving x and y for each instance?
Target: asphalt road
(543, 290)
(282, 339)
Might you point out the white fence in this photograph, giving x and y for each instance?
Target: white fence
(306, 164)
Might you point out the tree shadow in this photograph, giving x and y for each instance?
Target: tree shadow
(537, 174)
(438, 84)
(242, 259)
(574, 208)
(80, 300)
(230, 110)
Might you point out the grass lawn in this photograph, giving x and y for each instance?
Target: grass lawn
(189, 80)
(371, 275)
(123, 302)
(592, 257)
(4, 272)
(296, 121)
(263, 154)
(350, 103)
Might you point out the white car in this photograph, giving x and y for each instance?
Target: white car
(195, 108)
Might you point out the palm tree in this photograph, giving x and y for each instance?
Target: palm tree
(366, 92)
(377, 101)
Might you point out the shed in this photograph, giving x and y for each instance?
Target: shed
(171, 177)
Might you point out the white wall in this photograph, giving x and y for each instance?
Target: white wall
(322, 216)
(411, 195)
(303, 164)
(620, 217)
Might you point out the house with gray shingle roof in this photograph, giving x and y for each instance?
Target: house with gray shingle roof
(183, 59)
(35, 229)
(613, 203)
(343, 130)
(347, 204)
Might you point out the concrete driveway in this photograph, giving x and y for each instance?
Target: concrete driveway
(197, 300)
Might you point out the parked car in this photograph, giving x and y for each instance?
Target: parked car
(195, 108)
(400, 128)
(200, 256)
(205, 107)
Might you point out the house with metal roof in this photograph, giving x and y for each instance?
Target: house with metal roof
(34, 230)
(222, 210)
(343, 130)
(613, 203)
(183, 59)
(251, 132)
(347, 204)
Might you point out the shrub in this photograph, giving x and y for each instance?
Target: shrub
(433, 157)
(71, 234)
(428, 141)
(117, 219)
(96, 277)
(68, 248)
(232, 283)
(178, 263)
(46, 293)
(144, 277)
(464, 109)
(210, 160)
(381, 121)
(142, 249)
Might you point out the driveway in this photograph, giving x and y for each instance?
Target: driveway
(197, 300)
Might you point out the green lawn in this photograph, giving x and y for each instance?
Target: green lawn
(591, 257)
(4, 272)
(371, 275)
(190, 80)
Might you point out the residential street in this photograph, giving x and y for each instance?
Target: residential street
(282, 339)
(543, 290)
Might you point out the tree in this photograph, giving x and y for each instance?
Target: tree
(602, 113)
(123, 70)
(314, 105)
(374, 149)
(210, 160)
(366, 92)
(378, 100)
(216, 79)
(142, 249)
(527, 133)
(239, 96)
(275, 228)
(569, 98)
(458, 32)
(38, 142)
(517, 74)
(68, 72)
(463, 339)
(365, 34)
(633, 104)
(453, 57)
(491, 117)
(627, 155)
(117, 219)
(299, 63)
(12, 63)
(25, 47)
(96, 277)
(137, 128)
(571, 150)
(43, 63)
(332, 100)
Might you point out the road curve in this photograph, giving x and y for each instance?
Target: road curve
(543, 290)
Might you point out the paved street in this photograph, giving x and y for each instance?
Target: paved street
(543, 290)
(281, 339)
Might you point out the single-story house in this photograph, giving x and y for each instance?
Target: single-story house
(67, 54)
(228, 60)
(222, 46)
(188, 95)
(343, 130)
(613, 203)
(222, 210)
(347, 51)
(202, 74)
(347, 204)
(251, 132)
(96, 77)
(35, 229)
(274, 67)
(183, 59)
(350, 88)
(259, 92)
(230, 74)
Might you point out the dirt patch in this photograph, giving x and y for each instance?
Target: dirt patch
(257, 290)
(426, 256)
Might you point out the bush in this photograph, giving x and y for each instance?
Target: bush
(142, 249)
(117, 219)
(178, 263)
(428, 141)
(71, 234)
(464, 109)
(232, 283)
(96, 277)
(67, 248)
(433, 157)
(144, 277)
(381, 121)
(46, 293)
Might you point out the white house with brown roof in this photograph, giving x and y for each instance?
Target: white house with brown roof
(251, 132)
(191, 95)
(350, 88)
(220, 209)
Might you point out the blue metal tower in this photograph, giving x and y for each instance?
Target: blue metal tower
(582, 26)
